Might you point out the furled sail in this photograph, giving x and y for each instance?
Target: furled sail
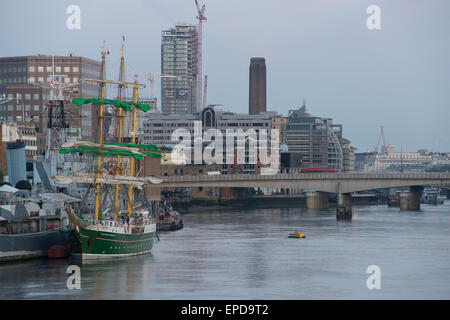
(126, 105)
(110, 149)
(107, 179)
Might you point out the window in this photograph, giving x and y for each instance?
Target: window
(36, 96)
(19, 96)
(36, 107)
(27, 96)
(40, 69)
(66, 69)
(32, 69)
(19, 107)
(41, 79)
(66, 80)
(10, 107)
(27, 107)
(19, 118)
(75, 80)
(31, 79)
(57, 69)
(75, 69)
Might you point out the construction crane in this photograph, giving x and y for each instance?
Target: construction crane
(201, 17)
(381, 136)
(204, 92)
(372, 155)
(151, 77)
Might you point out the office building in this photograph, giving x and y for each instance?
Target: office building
(319, 141)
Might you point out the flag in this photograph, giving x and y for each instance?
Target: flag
(52, 83)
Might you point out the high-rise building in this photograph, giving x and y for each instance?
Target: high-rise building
(25, 89)
(179, 58)
(319, 141)
(257, 92)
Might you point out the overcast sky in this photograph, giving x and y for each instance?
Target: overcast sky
(320, 50)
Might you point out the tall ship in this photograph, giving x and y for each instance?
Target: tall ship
(122, 223)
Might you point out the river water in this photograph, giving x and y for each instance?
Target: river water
(246, 254)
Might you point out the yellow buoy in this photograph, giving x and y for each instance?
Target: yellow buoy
(296, 235)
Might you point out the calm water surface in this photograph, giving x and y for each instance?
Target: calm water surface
(246, 254)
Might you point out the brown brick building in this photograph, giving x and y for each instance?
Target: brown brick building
(25, 86)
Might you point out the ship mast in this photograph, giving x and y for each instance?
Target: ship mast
(119, 134)
(115, 149)
(130, 187)
(100, 139)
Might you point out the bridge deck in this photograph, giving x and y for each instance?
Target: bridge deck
(326, 182)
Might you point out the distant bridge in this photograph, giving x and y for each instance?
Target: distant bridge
(319, 184)
(323, 182)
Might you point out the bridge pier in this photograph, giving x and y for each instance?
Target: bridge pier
(393, 198)
(410, 200)
(344, 206)
(316, 200)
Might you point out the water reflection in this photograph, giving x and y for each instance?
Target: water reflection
(246, 254)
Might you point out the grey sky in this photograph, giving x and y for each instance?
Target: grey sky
(320, 50)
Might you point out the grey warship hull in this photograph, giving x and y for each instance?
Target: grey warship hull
(15, 247)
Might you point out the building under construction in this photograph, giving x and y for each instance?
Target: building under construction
(179, 47)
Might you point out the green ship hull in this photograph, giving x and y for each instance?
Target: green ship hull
(101, 244)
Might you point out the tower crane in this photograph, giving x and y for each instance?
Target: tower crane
(201, 17)
(151, 77)
(204, 92)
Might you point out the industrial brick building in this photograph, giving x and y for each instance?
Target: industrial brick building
(25, 87)
(257, 86)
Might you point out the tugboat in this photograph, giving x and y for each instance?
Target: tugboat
(432, 196)
(169, 219)
(121, 224)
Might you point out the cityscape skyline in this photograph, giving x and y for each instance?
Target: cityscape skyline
(396, 77)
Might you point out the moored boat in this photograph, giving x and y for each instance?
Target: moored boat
(169, 219)
(432, 196)
(30, 225)
(123, 224)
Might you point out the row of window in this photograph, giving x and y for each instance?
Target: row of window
(41, 79)
(19, 119)
(35, 79)
(27, 96)
(10, 107)
(14, 69)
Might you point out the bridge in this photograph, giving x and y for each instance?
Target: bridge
(320, 184)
